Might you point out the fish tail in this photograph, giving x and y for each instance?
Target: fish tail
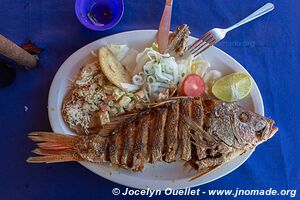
(52, 147)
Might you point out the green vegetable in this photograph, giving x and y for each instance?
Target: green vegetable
(118, 94)
(124, 101)
(113, 111)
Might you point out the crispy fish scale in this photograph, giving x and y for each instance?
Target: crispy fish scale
(140, 147)
(197, 116)
(152, 122)
(93, 148)
(208, 107)
(171, 132)
(116, 146)
(112, 150)
(129, 141)
(102, 149)
(158, 135)
(184, 130)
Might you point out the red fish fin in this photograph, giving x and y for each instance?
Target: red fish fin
(53, 147)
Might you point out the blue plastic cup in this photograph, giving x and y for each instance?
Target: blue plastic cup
(107, 13)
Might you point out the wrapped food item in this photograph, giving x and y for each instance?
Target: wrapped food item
(16, 53)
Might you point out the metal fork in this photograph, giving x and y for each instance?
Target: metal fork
(215, 35)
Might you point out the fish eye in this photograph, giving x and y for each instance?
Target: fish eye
(244, 117)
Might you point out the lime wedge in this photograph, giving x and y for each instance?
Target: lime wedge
(233, 87)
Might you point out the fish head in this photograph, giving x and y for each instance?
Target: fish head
(238, 127)
(252, 128)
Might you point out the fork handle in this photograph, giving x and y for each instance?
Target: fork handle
(261, 11)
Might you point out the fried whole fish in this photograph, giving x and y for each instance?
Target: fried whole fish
(206, 133)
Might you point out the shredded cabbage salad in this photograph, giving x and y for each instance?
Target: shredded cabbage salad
(157, 72)
(154, 72)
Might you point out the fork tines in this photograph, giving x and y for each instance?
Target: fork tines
(203, 43)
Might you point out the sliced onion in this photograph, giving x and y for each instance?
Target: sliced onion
(151, 79)
(148, 67)
(141, 59)
(138, 79)
(211, 76)
(142, 74)
(130, 87)
(159, 84)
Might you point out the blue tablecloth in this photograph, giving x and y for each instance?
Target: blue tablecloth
(268, 48)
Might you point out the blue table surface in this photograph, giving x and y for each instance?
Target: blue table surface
(268, 48)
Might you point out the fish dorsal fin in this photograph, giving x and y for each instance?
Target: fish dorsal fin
(116, 122)
(164, 102)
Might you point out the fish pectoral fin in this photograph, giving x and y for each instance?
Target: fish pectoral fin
(193, 125)
(198, 129)
(207, 165)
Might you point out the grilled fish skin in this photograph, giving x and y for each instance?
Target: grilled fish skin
(171, 133)
(140, 155)
(184, 129)
(197, 116)
(157, 135)
(129, 142)
(167, 132)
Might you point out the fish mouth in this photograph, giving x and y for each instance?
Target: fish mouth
(272, 130)
(267, 132)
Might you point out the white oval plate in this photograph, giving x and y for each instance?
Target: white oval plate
(160, 175)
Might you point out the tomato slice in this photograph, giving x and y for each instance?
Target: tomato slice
(193, 85)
